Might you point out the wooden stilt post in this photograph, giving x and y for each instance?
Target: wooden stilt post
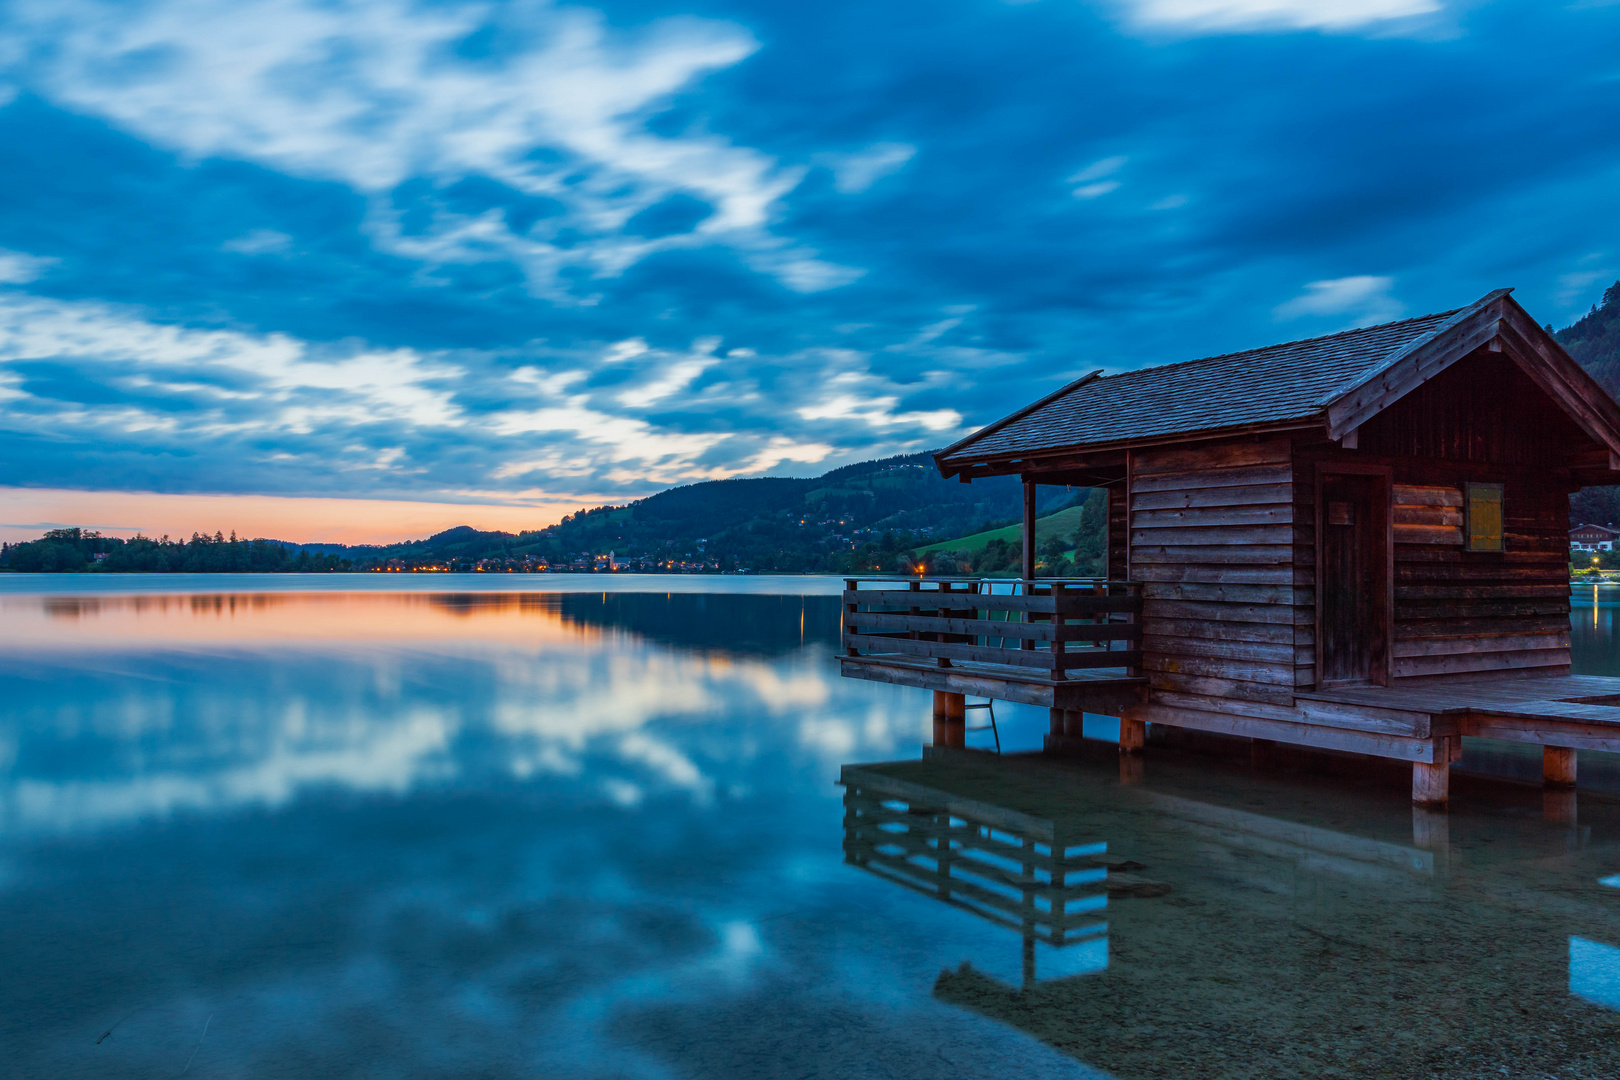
(1074, 723)
(1057, 722)
(1431, 784)
(1132, 733)
(1557, 766)
(950, 719)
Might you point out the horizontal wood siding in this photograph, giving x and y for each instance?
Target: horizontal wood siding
(1457, 611)
(1428, 514)
(1211, 530)
(1303, 554)
(1464, 611)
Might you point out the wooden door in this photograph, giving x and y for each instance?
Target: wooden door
(1354, 562)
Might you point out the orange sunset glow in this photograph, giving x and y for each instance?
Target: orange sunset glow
(26, 512)
(240, 619)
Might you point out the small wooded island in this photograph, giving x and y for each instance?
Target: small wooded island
(1357, 542)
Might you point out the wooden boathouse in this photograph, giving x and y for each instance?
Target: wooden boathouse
(1357, 542)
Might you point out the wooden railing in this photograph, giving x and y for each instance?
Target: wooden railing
(1054, 624)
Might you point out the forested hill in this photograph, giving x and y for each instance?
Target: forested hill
(858, 518)
(1594, 342)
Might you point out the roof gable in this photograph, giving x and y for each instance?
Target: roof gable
(1339, 381)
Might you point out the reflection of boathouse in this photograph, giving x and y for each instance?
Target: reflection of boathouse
(1341, 934)
(1017, 870)
(1357, 543)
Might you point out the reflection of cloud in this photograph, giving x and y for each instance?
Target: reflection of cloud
(674, 766)
(374, 757)
(211, 702)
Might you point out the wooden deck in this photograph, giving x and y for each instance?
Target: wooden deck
(1076, 647)
(1580, 712)
(1064, 644)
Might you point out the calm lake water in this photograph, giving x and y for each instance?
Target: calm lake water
(499, 827)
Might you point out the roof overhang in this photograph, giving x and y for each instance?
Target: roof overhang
(1495, 320)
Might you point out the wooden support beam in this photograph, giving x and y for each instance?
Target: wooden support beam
(1557, 766)
(1431, 784)
(1029, 530)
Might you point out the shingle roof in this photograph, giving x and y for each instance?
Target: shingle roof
(1294, 381)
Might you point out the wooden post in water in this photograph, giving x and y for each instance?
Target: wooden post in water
(1431, 784)
(1559, 805)
(1431, 830)
(1557, 766)
(1132, 733)
(950, 719)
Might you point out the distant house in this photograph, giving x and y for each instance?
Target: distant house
(1593, 537)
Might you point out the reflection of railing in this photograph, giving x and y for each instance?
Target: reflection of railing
(1010, 868)
(1054, 625)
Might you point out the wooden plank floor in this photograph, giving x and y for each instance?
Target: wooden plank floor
(1103, 690)
(1590, 699)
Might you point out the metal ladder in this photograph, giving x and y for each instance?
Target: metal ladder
(990, 706)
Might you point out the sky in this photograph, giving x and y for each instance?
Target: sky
(359, 270)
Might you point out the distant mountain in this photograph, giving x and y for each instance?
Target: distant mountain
(856, 519)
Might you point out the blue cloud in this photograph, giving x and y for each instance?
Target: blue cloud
(596, 251)
(669, 217)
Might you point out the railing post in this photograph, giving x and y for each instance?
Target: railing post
(849, 612)
(1057, 645)
(1133, 590)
